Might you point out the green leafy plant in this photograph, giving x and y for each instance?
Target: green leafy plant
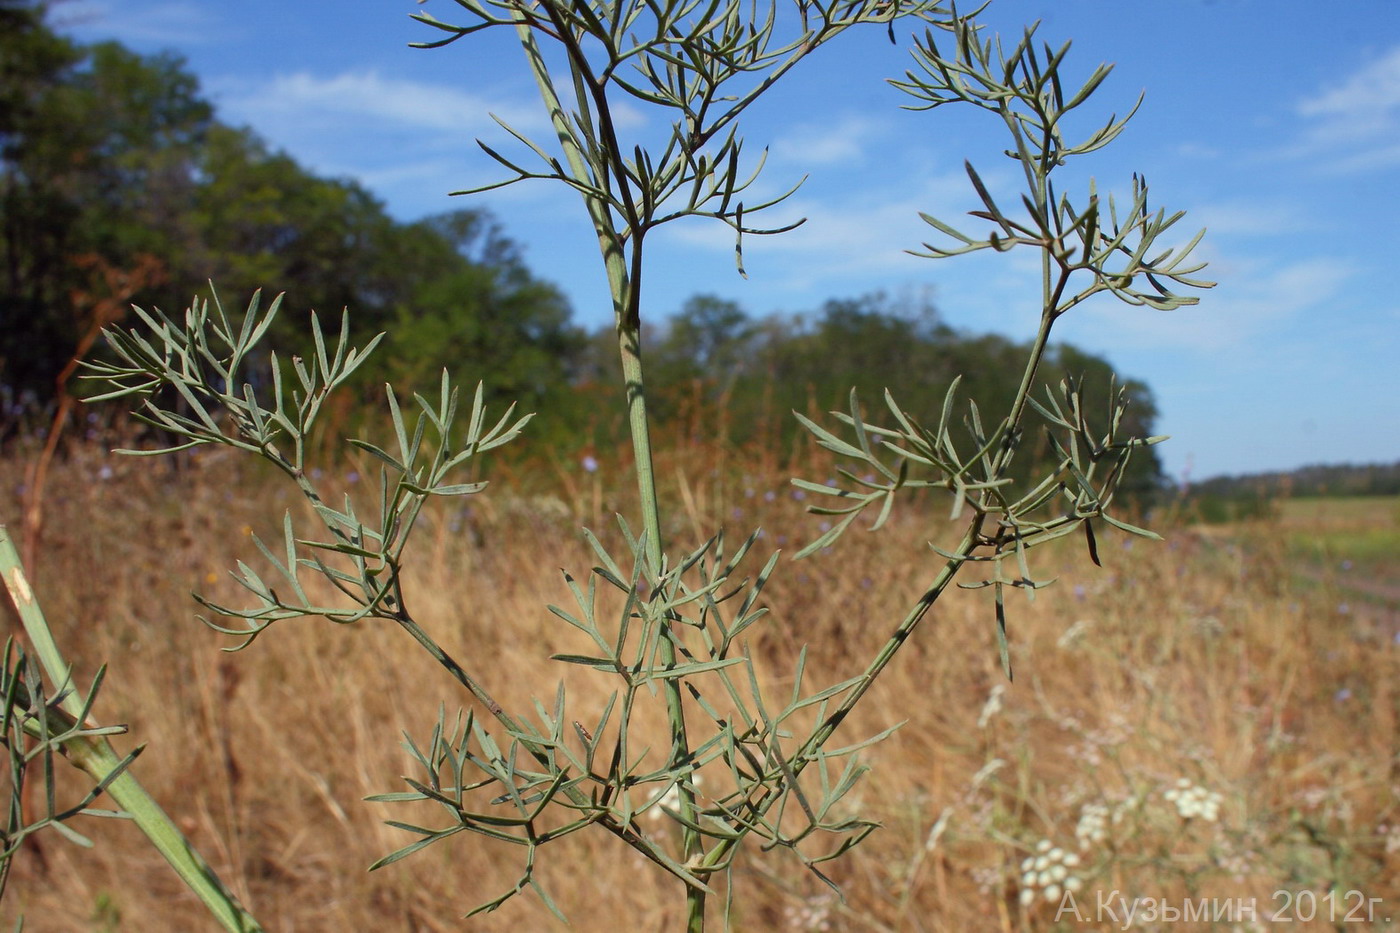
(666, 621)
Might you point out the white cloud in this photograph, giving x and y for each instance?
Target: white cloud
(1244, 218)
(1251, 300)
(858, 232)
(1197, 150)
(828, 143)
(411, 141)
(1356, 123)
(1372, 90)
(170, 23)
(369, 95)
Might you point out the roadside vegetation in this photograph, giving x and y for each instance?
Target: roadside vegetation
(1199, 659)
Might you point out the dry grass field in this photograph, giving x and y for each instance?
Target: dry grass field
(1207, 723)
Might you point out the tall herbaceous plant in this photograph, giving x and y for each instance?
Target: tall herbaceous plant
(740, 761)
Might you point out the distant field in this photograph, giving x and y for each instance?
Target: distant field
(1355, 541)
(1344, 512)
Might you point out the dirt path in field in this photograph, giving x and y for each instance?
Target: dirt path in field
(1381, 589)
(1378, 598)
(1371, 601)
(1385, 590)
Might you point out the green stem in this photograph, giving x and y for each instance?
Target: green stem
(629, 346)
(804, 755)
(95, 756)
(624, 288)
(626, 832)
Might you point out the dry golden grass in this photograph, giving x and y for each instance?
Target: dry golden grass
(1185, 659)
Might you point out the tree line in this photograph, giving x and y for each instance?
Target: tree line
(1335, 479)
(115, 174)
(119, 185)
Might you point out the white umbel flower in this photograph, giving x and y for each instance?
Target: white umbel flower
(1093, 825)
(1048, 873)
(1194, 801)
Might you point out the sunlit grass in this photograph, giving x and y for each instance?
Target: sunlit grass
(1359, 534)
(1206, 662)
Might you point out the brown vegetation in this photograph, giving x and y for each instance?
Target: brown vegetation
(1179, 660)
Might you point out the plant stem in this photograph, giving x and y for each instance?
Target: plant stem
(972, 537)
(629, 346)
(625, 291)
(95, 756)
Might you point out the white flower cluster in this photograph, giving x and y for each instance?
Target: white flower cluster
(1192, 801)
(988, 879)
(813, 914)
(1093, 825)
(1049, 872)
(1238, 865)
(1096, 818)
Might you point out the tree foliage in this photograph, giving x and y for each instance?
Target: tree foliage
(758, 370)
(112, 161)
(110, 154)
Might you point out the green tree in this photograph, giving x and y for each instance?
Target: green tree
(110, 157)
(471, 304)
(708, 340)
(93, 144)
(760, 370)
(260, 218)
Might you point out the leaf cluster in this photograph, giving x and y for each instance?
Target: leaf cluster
(1022, 88)
(203, 359)
(535, 763)
(35, 730)
(744, 778)
(702, 62)
(1009, 519)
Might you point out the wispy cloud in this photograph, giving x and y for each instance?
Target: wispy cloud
(859, 231)
(1252, 300)
(170, 23)
(1245, 218)
(1372, 90)
(1357, 120)
(368, 95)
(1197, 150)
(846, 139)
(410, 140)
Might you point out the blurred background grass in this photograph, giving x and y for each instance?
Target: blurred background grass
(1255, 660)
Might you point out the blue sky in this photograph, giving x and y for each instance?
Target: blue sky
(1274, 123)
